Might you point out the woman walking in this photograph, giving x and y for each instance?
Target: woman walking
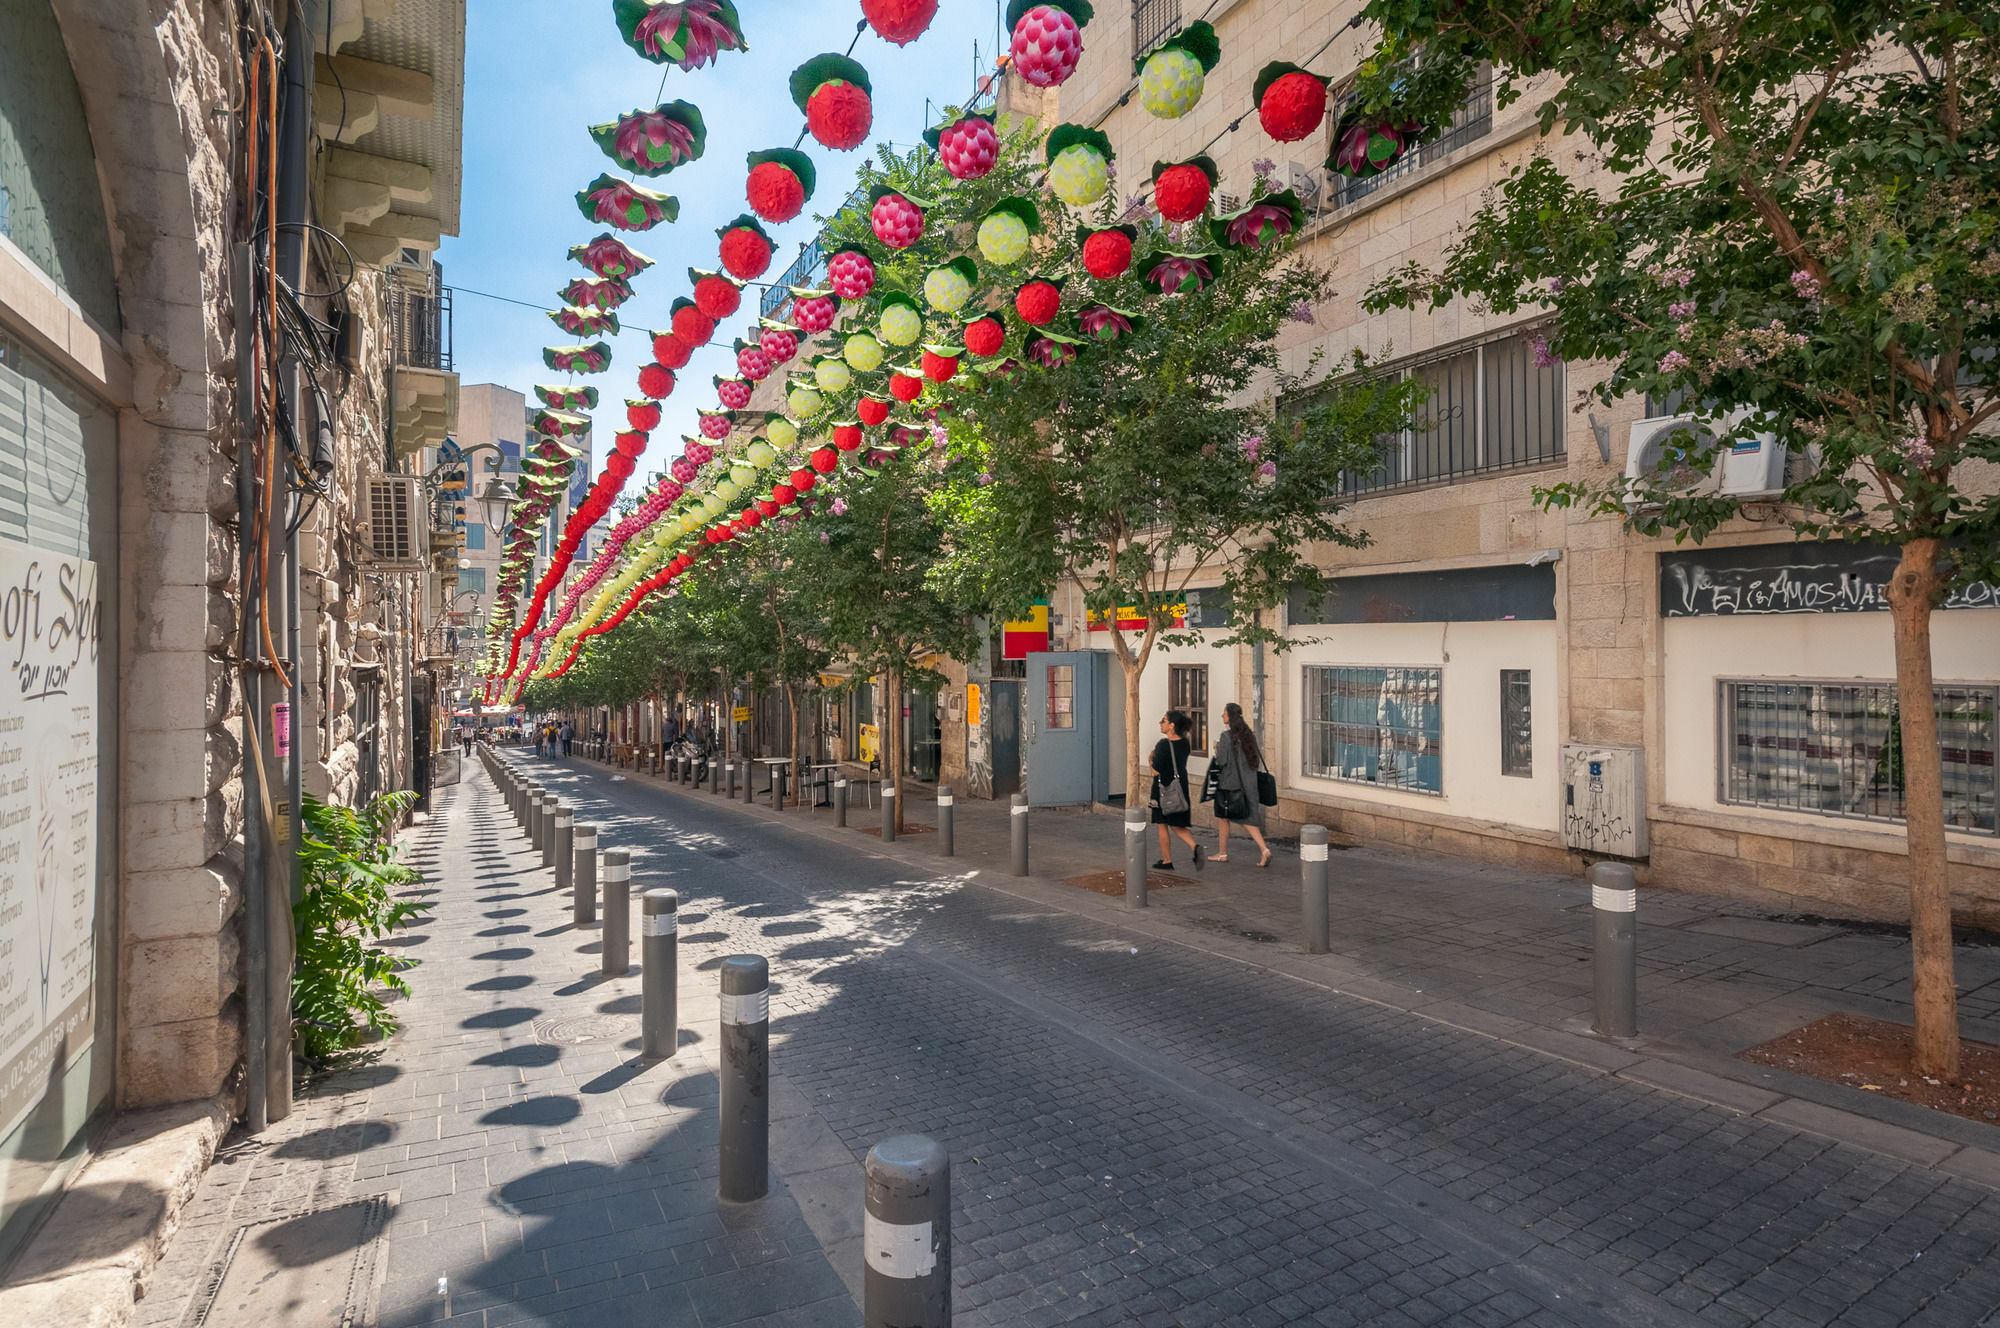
(1237, 761)
(1172, 806)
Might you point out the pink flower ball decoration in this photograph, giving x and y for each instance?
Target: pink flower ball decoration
(897, 221)
(813, 314)
(851, 274)
(1047, 45)
(753, 363)
(969, 148)
(780, 345)
(714, 426)
(733, 393)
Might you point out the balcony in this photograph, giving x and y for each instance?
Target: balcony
(420, 320)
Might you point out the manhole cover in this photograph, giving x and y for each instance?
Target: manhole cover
(316, 1269)
(576, 1029)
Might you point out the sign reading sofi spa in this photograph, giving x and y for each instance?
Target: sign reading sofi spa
(49, 633)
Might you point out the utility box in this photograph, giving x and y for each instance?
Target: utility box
(1604, 799)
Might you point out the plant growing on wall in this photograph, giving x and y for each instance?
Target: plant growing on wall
(353, 870)
(1797, 230)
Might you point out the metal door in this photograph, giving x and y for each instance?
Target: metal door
(1003, 725)
(1068, 743)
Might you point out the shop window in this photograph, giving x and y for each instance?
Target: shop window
(1517, 730)
(1062, 696)
(1187, 689)
(1380, 726)
(1835, 749)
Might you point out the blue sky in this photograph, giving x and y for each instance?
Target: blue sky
(540, 72)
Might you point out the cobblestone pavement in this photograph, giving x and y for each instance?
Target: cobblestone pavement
(1141, 1131)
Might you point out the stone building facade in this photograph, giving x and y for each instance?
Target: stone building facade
(130, 288)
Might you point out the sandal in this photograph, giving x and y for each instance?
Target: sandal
(1266, 860)
(1217, 857)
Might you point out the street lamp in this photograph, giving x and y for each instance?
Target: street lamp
(496, 501)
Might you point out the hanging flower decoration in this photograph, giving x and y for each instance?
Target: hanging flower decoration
(1079, 164)
(608, 256)
(831, 373)
(1004, 231)
(804, 400)
(567, 398)
(969, 146)
(752, 362)
(1260, 222)
(1051, 350)
(899, 21)
(687, 35)
(949, 286)
(656, 381)
(594, 358)
(780, 183)
(985, 336)
(1038, 301)
(851, 273)
(1367, 143)
(901, 323)
(732, 392)
(905, 386)
(1181, 190)
(874, 410)
(1291, 103)
(746, 249)
(896, 218)
(813, 310)
(583, 322)
(715, 424)
(691, 323)
(1101, 322)
(1048, 38)
(672, 350)
(590, 293)
(835, 95)
(714, 294)
(656, 141)
(1107, 254)
(940, 363)
(1171, 78)
(1170, 273)
(642, 414)
(783, 433)
(560, 423)
(862, 352)
(780, 341)
(628, 206)
(847, 436)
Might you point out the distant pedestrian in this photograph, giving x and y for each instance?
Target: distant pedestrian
(568, 733)
(1238, 758)
(1172, 805)
(465, 736)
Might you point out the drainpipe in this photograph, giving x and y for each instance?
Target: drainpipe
(256, 926)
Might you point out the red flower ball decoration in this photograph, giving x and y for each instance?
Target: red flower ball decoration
(733, 393)
(897, 221)
(620, 466)
(873, 410)
(985, 336)
(643, 415)
(1038, 301)
(813, 314)
(903, 387)
(940, 368)
(630, 444)
(899, 21)
(717, 296)
(779, 344)
(754, 364)
(840, 114)
(656, 381)
(745, 253)
(693, 325)
(672, 349)
(1107, 255)
(803, 479)
(847, 437)
(969, 147)
(774, 192)
(851, 273)
(824, 460)
(1047, 45)
(750, 519)
(784, 495)
(1293, 107)
(714, 426)
(1181, 193)
(767, 507)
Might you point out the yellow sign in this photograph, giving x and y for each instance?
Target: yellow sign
(871, 742)
(972, 713)
(740, 714)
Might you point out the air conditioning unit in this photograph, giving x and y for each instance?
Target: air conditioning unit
(1604, 799)
(1656, 455)
(398, 524)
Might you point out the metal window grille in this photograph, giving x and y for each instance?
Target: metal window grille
(1153, 21)
(1062, 696)
(420, 324)
(1380, 726)
(1491, 407)
(1835, 749)
(808, 269)
(1472, 120)
(1517, 729)
(1187, 689)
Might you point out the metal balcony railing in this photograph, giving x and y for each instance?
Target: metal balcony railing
(420, 324)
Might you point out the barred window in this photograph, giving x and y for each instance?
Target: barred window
(1381, 726)
(1472, 120)
(1835, 749)
(1153, 21)
(1187, 689)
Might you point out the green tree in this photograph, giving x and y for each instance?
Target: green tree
(1796, 226)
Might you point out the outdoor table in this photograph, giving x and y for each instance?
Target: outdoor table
(819, 779)
(774, 767)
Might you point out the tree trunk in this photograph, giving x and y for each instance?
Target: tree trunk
(1138, 768)
(892, 741)
(1913, 591)
(792, 704)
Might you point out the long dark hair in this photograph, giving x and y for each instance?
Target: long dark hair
(1245, 739)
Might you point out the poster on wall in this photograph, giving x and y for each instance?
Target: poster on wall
(49, 631)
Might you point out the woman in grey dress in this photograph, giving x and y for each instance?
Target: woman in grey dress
(1237, 760)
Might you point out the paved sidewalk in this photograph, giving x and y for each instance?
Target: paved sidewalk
(539, 1171)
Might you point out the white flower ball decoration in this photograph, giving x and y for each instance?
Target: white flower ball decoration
(1078, 176)
(741, 475)
(900, 326)
(1170, 84)
(760, 454)
(863, 353)
(782, 432)
(832, 375)
(946, 290)
(1003, 238)
(803, 401)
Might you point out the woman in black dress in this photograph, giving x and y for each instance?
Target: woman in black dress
(1170, 756)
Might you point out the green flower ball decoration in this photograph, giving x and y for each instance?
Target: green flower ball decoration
(1171, 78)
(947, 288)
(863, 352)
(832, 374)
(902, 324)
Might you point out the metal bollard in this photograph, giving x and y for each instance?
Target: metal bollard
(840, 804)
(1136, 820)
(1019, 817)
(746, 1074)
(617, 933)
(583, 878)
(888, 813)
(534, 826)
(906, 1234)
(729, 766)
(551, 838)
(565, 846)
(1315, 913)
(659, 1014)
(944, 822)
(749, 783)
(1614, 898)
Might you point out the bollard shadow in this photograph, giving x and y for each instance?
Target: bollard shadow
(505, 912)
(529, 1055)
(507, 955)
(511, 930)
(506, 1017)
(506, 982)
